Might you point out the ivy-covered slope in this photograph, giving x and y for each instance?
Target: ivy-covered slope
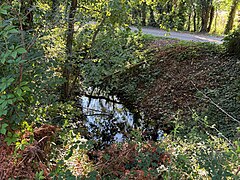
(181, 79)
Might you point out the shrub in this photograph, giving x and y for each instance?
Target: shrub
(132, 160)
(232, 42)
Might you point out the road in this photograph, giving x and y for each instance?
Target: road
(180, 35)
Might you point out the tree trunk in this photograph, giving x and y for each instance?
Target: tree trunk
(194, 20)
(27, 12)
(212, 11)
(55, 5)
(198, 21)
(181, 15)
(231, 16)
(67, 67)
(134, 15)
(238, 19)
(152, 21)
(206, 6)
(144, 13)
(189, 21)
(215, 23)
(160, 12)
(205, 19)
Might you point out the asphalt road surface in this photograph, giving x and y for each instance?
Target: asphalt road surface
(180, 35)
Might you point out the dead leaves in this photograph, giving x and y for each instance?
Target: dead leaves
(30, 160)
(127, 160)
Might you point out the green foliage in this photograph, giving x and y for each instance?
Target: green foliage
(113, 52)
(11, 138)
(72, 159)
(26, 77)
(198, 154)
(39, 176)
(3, 129)
(194, 154)
(21, 145)
(232, 43)
(209, 160)
(12, 89)
(62, 172)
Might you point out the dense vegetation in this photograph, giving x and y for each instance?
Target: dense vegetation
(189, 15)
(183, 97)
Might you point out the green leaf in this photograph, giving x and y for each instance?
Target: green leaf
(9, 96)
(11, 61)
(6, 83)
(26, 88)
(19, 92)
(3, 11)
(3, 87)
(3, 111)
(11, 138)
(3, 129)
(6, 7)
(14, 54)
(23, 83)
(92, 175)
(13, 31)
(3, 60)
(10, 101)
(3, 97)
(4, 104)
(21, 50)
(20, 98)
(18, 60)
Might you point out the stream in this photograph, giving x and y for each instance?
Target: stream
(108, 121)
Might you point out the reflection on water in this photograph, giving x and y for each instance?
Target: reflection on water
(107, 120)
